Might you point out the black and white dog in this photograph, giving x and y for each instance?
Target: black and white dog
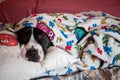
(34, 43)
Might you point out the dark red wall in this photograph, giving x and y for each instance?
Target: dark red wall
(15, 10)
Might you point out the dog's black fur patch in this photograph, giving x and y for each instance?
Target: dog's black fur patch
(42, 38)
(23, 35)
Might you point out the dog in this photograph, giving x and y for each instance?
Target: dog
(34, 43)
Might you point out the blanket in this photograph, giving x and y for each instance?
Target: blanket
(99, 74)
(92, 38)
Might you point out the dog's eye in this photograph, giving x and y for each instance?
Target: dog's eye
(40, 37)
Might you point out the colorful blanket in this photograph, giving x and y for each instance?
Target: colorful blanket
(92, 38)
(99, 74)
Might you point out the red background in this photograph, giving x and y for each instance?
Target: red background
(14, 10)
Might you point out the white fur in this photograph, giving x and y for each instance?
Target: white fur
(14, 67)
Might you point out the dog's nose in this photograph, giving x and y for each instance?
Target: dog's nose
(32, 55)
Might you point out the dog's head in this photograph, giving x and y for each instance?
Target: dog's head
(34, 43)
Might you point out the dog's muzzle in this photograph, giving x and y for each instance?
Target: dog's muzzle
(32, 54)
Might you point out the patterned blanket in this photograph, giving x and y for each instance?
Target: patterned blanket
(92, 38)
(99, 74)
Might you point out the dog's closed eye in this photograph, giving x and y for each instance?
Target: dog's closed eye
(39, 37)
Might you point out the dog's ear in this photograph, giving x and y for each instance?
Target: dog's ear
(42, 38)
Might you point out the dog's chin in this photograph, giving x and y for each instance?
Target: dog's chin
(40, 55)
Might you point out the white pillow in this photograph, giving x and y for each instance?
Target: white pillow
(57, 58)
